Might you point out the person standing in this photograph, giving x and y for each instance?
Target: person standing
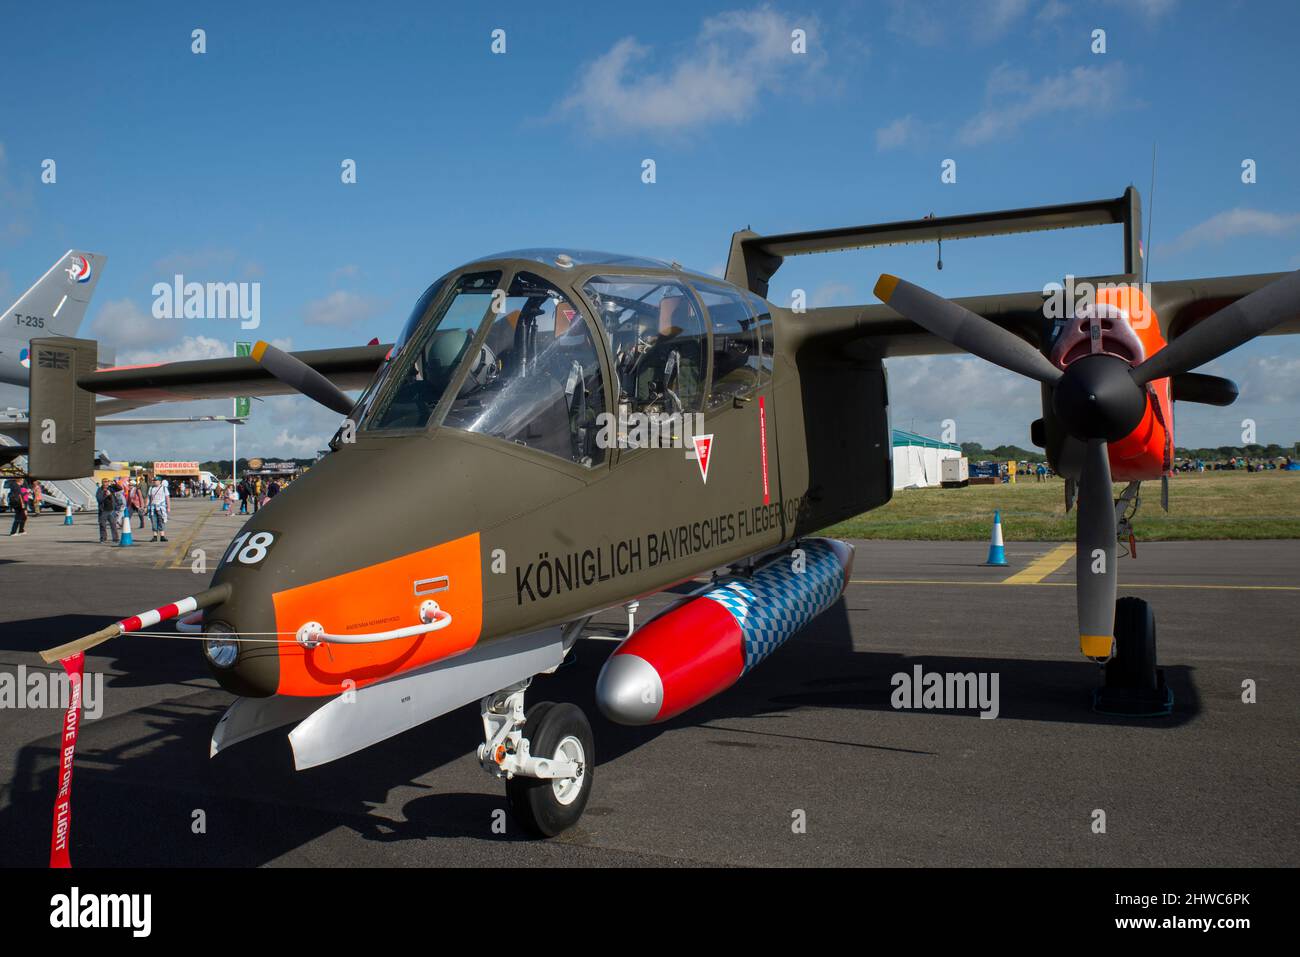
(19, 505)
(37, 495)
(104, 499)
(159, 505)
(119, 502)
(134, 503)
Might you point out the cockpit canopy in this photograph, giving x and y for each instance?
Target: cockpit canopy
(507, 349)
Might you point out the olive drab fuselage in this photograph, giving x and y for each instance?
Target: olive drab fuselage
(509, 539)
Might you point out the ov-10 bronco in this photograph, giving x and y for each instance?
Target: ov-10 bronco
(570, 431)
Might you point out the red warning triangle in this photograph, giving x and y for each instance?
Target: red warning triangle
(703, 446)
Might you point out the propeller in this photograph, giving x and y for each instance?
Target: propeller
(966, 330)
(1099, 399)
(1231, 326)
(1095, 574)
(301, 377)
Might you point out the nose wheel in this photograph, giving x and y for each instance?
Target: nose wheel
(1133, 685)
(547, 759)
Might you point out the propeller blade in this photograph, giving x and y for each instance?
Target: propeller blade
(301, 377)
(1094, 555)
(1228, 328)
(964, 329)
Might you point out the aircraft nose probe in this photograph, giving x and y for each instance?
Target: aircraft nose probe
(145, 619)
(309, 635)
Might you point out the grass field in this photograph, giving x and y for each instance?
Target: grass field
(1210, 505)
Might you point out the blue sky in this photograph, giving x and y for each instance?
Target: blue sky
(225, 166)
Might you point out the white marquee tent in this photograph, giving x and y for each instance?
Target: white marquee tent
(917, 460)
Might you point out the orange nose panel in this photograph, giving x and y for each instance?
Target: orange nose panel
(1141, 454)
(381, 598)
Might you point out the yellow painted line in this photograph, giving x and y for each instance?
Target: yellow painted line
(173, 559)
(1041, 567)
(936, 581)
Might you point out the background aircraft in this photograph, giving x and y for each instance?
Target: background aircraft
(739, 429)
(54, 306)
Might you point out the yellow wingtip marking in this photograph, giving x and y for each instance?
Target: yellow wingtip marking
(885, 286)
(259, 349)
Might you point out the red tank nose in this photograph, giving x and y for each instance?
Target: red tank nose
(702, 646)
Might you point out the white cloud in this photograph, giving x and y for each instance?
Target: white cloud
(341, 309)
(832, 294)
(1013, 99)
(988, 404)
(1233, 224)
(904, 131)
(123, 325)
(736, 58)
(993, 17)
(929, 23)
(191, 347)
(194, 261)
(1051, 12)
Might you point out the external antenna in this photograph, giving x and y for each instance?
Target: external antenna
(939, 238)
(1151, 206)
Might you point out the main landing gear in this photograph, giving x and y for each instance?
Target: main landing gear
(548, 774)
(1133, 686)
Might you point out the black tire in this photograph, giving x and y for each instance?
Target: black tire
(1134, 664)
(533, 801)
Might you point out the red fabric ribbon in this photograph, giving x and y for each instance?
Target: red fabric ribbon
(62, 832)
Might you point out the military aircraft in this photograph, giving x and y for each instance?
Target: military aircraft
(53, 306)
(563, 432)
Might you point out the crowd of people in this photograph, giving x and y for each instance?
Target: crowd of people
(122, 500)
(144, 500)
(1235, 462)
(248, 491)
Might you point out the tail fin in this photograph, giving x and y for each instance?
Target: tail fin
(61, 436)
(57, 303)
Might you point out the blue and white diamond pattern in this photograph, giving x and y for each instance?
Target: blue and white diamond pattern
(776, 601)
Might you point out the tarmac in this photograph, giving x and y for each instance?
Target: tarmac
(804, 762)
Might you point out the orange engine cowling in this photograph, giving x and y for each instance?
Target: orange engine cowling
(1122, 323)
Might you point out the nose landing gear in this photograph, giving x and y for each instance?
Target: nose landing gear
(549, 773)
(1133, 685)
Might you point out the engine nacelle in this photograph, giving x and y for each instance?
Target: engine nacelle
(703, 645)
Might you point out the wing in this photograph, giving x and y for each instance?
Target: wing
(133, 386)
(876, 330)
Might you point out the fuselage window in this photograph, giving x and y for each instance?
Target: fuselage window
(427, 357)
(766, 337)
(735, 345)
(657, 340)
(536, 379)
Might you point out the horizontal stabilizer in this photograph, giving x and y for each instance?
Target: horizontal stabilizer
(755, 259)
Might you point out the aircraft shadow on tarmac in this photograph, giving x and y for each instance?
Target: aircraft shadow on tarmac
(137, 790)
